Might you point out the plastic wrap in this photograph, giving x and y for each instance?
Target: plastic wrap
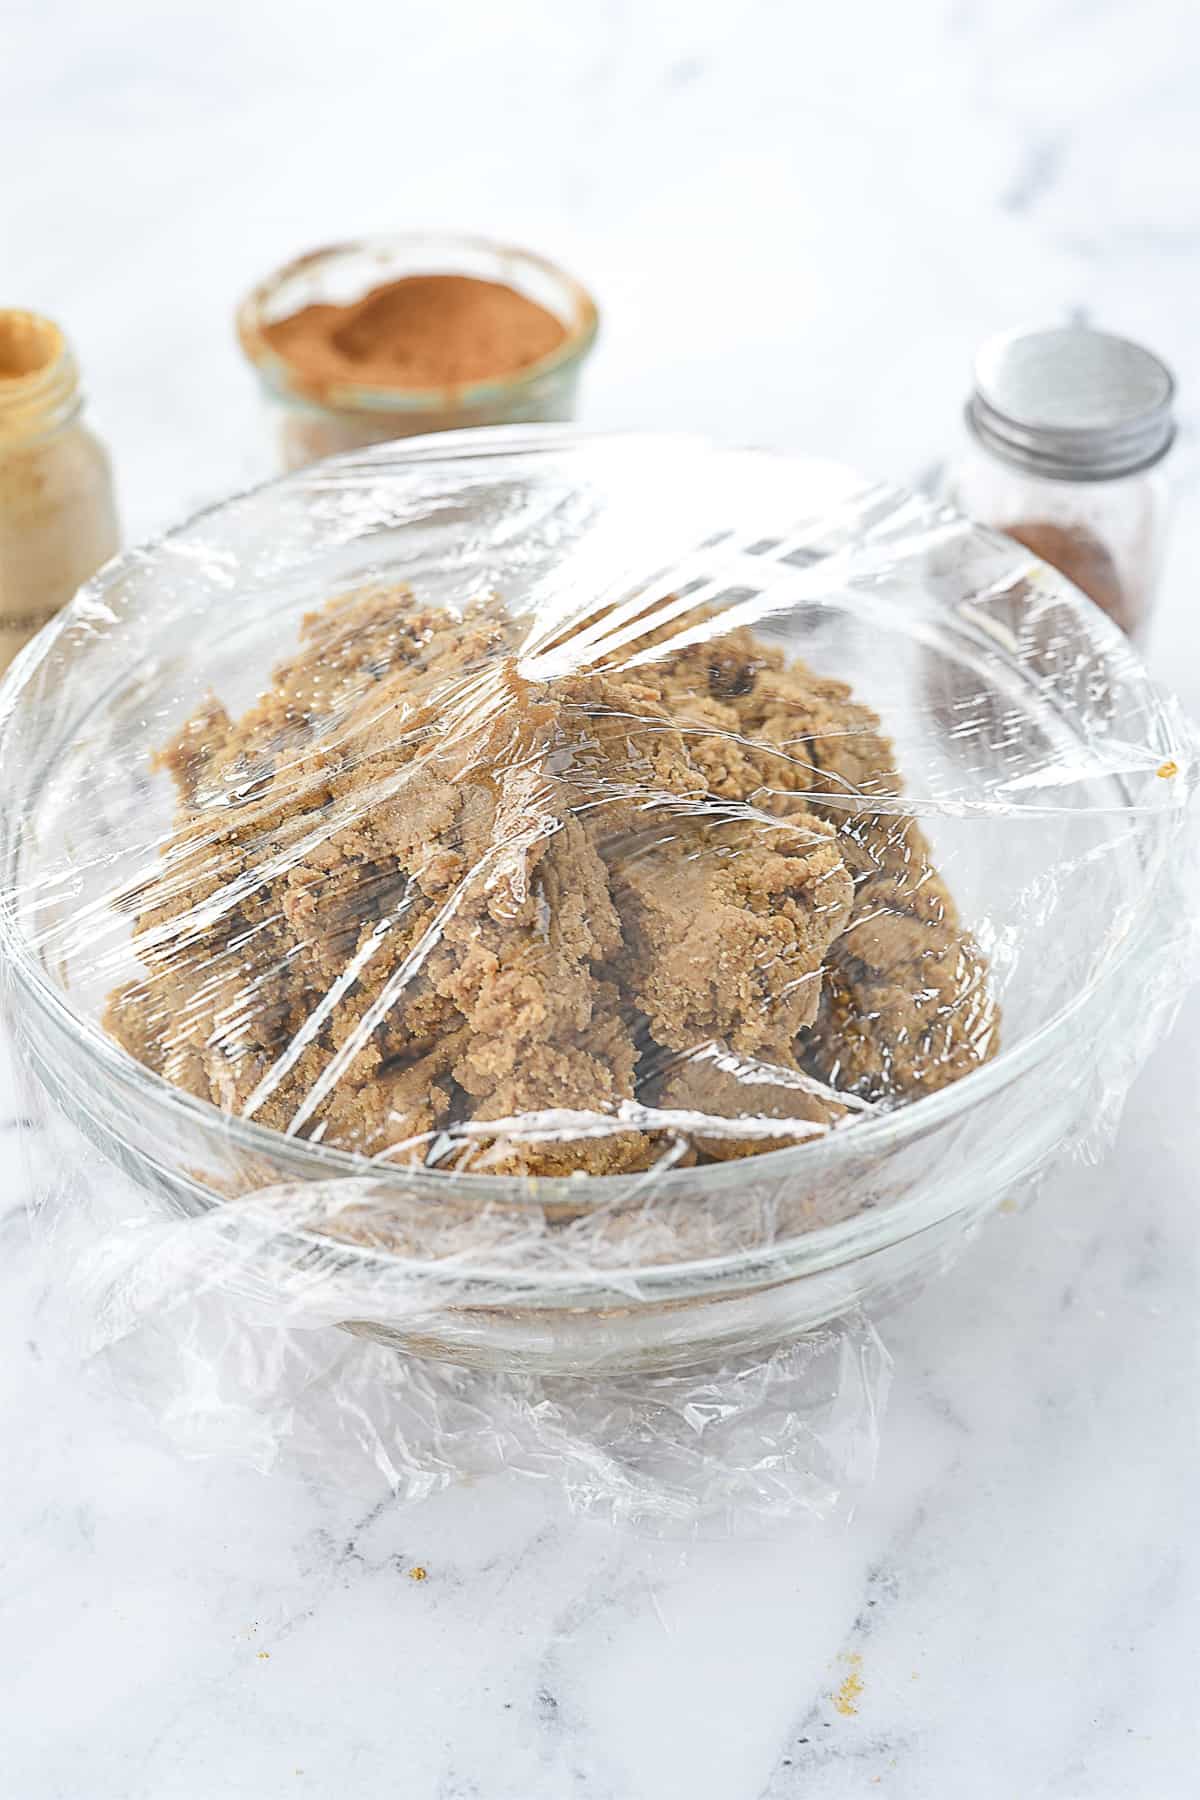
(138, 1304)
(571, 907)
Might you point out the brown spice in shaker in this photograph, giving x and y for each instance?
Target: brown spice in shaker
(1084, 560)
(422, 331)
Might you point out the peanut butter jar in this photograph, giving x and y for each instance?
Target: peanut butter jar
(58, 519)
(399, 336)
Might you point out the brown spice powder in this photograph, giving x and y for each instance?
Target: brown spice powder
(423, 331)
(1084, 560)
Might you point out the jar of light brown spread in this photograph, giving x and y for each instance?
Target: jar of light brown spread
(58, 519)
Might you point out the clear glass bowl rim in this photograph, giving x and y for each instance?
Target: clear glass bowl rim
(822, 1246)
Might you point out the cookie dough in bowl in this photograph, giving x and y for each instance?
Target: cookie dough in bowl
(425, 907)
(574, 902)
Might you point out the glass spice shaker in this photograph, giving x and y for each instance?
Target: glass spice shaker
(58, 518)
(1068, 431)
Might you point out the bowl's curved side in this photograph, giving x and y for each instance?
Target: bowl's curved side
(793, 1223)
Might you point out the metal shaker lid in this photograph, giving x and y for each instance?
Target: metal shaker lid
(1072, 403)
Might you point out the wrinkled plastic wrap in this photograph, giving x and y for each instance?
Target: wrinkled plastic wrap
(583, 914)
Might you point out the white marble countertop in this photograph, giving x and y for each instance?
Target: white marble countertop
(798, 221)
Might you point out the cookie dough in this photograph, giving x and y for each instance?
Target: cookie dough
(418, 905)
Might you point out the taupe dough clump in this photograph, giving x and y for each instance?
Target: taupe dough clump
(416, 904)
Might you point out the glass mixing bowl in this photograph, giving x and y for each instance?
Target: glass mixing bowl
(1047, 769)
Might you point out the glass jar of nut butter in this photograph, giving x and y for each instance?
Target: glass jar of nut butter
(58, 519)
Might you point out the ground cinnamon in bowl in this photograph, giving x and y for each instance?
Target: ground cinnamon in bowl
(404, 335)
(423, 331)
